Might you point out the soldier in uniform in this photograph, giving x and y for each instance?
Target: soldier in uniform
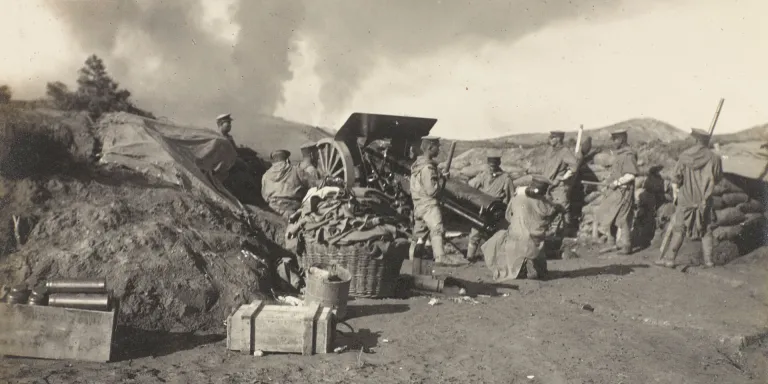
(495, 182)
(426, 185)
(224, 122)
(308, 164)
(696, 173)
(616, 209)
(281, 186)
(518, 251)
(559, 168)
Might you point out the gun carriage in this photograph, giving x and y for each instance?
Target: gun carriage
(376, 151)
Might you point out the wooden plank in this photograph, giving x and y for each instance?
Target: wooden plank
(310, 319)
(279, 328)
(324, 332)
(240, 327)
(56, 333)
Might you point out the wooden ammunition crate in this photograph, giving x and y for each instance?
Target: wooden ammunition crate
(56, 333)
(280, 328)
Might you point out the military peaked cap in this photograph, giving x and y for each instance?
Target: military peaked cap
(280, 155)
(226, 116)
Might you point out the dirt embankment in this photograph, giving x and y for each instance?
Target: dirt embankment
(172, 260)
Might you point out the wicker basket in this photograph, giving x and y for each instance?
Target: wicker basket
(373, 274)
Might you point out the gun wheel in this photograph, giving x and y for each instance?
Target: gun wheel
(335, 160)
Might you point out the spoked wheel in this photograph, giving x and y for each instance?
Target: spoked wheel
(335, 160)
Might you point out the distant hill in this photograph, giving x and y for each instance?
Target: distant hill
(265, 133)
(756, 133)
(640, 131)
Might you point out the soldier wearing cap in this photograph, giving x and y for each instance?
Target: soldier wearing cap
(616, 209)
(495, 182)
(696, 173)
(426, 183)
(559, 168)
(224, 122)
(518, 251)
(307, 166)
(281, 186)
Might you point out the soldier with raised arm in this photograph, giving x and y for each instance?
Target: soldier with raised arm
(696, 173)
(426, 184)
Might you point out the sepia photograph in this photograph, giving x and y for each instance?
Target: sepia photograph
(384, 191)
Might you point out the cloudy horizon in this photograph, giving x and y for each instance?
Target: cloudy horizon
(502, 68)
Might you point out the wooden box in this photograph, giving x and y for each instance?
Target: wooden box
(56, 333)
(280, 328)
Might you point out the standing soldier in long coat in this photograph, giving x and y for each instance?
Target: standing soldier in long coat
(696, 173)
(616, 209)
(426, 184)
(495, 182)
(559, 168)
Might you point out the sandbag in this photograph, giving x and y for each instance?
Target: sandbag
(603, 159)
(751, 206)
(734, 199)
(729, 216)
(727, 233)
(717, 203)
(751, 218)
(725, 186)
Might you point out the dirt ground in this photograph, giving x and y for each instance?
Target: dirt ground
(599, 319)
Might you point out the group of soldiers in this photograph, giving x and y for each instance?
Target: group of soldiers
(283, 185)
(534, 210)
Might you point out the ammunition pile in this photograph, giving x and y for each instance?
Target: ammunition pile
(67, 293)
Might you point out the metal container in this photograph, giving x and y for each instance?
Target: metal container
(428, 283)
(77, 286)
(330, 293)
(18, 295)
(96, 302)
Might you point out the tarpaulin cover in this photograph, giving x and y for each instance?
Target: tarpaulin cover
(178, 155)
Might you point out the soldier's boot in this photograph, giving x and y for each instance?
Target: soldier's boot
(471, 251)
(626, 248)
(707, 248)
(441, 259)
(611, 245)
(674, 247)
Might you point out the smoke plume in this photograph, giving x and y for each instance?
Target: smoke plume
(162, 51)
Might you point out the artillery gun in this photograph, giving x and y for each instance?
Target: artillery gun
(376, 151)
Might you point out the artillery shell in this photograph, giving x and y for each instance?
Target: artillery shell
(427, 283)
(18, 295)
(97, 302)
(77, 286)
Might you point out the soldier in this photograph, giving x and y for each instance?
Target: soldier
(281, 186)
(308, 163)
(696, 173)
(616, 208)
(495, 182)
(559, 169)
(426, 184)
(224, 122)
(518, 251)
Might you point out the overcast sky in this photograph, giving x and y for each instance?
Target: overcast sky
(483, 68)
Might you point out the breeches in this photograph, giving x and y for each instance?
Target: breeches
(427, 221)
